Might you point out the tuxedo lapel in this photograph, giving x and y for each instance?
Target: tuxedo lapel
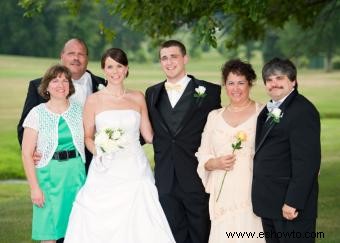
(194, 106)
(264, 126)
(267, 126)
(96, 81)
(153, 102)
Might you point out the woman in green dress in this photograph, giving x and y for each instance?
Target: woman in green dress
(55, 130)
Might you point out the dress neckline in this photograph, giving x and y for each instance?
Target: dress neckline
(257, 106)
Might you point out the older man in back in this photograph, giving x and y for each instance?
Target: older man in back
(74, 55)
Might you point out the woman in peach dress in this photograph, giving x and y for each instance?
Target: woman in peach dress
(226, 172)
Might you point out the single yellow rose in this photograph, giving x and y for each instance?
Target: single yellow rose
(241, 136)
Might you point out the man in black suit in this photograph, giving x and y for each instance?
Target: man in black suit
(178, 109)
(74, 55)
(287, 158)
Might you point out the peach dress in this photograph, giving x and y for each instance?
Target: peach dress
(233, 212)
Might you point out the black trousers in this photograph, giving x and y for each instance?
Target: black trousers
(187, 214)
(286, 231)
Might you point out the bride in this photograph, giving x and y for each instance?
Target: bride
(119, 201)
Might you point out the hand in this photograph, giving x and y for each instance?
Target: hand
(225, 162)
(289, 212)
(36, 157)
(37, 197)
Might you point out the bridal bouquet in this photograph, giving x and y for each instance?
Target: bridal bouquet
(109, 140)
(240, 137)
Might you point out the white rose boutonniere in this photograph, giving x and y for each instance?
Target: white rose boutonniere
(276, 114)
(200, 92)
(101, 86)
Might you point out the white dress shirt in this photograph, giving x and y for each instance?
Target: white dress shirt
(275, 104)
(175, 95)
(83, 87)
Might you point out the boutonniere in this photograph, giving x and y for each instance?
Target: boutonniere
(276, 114)
(101, 86)
(200, 92)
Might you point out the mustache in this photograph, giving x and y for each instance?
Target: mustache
(275, 87)
(75, 62)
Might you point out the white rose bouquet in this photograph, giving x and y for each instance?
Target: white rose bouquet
(109, 140)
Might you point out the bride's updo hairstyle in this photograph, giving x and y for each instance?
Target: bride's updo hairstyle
(116, 54)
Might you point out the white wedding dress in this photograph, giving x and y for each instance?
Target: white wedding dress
(119, 201)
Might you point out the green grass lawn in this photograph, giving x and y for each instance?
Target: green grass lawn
(15, 207)
(323, 89)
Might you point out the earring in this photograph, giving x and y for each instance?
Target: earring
(48, 93)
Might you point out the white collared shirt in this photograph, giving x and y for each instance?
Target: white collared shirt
(83, 87)
(173, 95)
(275, 104)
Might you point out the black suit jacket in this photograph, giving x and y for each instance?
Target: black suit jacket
(287, 160)
(174, 153)
(33, 99)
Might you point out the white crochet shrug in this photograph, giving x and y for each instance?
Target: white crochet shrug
(46, 122)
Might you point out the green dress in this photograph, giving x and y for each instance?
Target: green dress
(60, 181)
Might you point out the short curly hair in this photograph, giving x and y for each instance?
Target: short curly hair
(238, 67)
(51, 74)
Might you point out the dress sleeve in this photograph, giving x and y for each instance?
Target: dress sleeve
(206, 152)
(31, 120)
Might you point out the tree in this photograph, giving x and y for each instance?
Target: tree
(243, 20)
(18, 33)
(45, 34)
(323, 38)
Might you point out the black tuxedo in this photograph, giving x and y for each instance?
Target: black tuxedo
(177, 136)
(287, 160)
(33, 99)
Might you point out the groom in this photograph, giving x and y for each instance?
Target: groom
(287, 158)
(178, 112)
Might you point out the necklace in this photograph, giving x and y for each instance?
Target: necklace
(117, 96)
(239, 109)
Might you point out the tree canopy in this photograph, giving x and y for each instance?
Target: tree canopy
(238, 20)
(54, 25)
